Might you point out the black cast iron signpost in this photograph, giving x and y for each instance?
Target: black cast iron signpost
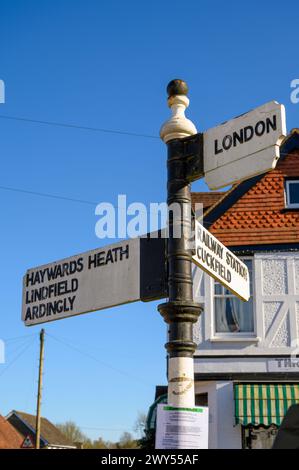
(180, 312)
(136, 269)
(238, 149)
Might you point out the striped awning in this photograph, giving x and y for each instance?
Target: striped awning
(264, 404)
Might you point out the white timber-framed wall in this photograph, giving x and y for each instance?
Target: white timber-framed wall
(275, 309)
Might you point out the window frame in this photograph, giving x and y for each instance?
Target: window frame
(288, 204)
(234, 336)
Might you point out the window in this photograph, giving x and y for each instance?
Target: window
(232, 315)
(292, 193)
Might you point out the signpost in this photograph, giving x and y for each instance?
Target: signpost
(238, 149)
(114, 275)
(245, 146)
(220, 263)
(135, 269)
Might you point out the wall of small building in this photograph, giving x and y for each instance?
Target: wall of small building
(270, 350)
(258, 216)
(223, 433)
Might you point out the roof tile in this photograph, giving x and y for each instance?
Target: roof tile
(49, 432)
(9, 437)
(260, 215)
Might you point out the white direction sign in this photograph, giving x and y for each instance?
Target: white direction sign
(220, 263)
(245, 146)
(98, 279)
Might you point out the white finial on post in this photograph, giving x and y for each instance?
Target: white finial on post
(178, 126)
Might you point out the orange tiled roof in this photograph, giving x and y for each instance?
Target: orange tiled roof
(260, 216)
(9, 437)
(49, 432)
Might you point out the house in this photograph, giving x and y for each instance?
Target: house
(50, 438)
(9, 436)
(247, 359)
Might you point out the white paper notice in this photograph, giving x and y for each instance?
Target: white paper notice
(182, 428)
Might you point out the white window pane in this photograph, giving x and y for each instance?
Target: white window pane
(232, 315)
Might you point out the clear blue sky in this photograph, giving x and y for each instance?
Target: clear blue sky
(106, 64)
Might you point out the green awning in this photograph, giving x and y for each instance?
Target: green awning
(264, 404)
